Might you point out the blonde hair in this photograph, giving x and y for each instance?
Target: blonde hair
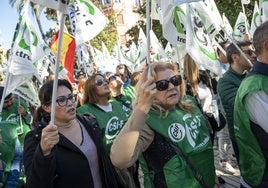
(191, 73)
(185, 105)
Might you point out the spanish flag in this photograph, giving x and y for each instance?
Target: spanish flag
(67, 52)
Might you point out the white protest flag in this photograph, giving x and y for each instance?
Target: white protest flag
(178, 2)
(132, 54)
(84, 59)
(240, 27)
(169, 51)
(264, 10)
(174, 20)
(117, 53)
(210, 15)
(156, 12)
(198, 43)
(86, 19)
(157, 48)
(256, 19)
(42, 67)
(105, 52)
(227, 26)
(245, 2)
(60, 5)
(142, 46)
(28, 92)
(27, 49)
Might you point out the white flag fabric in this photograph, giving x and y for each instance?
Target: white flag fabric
(210, 15)
(155, 10)
(86, 20)
(28, 92)
(142, 46)
(227, 26)
(198, 44)
(157, 48)
(256, 19)
(132, 54)
(84, 59)
(264, 8)
(178, 2)
(42, 67)
(174, 23)
(105, 52)
(240, 27)
(246, 2)
(54, 4)
(27, 48)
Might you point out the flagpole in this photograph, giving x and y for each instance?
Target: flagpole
(8, 70)
(55, 83)
(244, 12)
(148, 27)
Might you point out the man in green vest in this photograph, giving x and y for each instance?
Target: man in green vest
(250, 116)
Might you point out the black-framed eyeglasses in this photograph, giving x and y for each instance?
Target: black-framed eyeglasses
(249, 52)
(99, 82)
(162, 85)
(63, 100)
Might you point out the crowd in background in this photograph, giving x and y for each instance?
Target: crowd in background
(151, 128)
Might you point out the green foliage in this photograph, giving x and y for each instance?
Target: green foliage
(231, 9)
(108, 36)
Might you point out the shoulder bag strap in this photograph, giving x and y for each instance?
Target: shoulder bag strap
(197, 175)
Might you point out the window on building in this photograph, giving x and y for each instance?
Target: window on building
(120, 19)
(117, 1)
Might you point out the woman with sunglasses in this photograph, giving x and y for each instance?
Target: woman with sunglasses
(110, 115)
(124, 95)
(68, 153)
(164, 120)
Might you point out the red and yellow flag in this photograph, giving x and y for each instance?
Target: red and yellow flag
(67, 52)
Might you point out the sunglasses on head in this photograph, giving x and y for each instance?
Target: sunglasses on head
(249, 52)
(162, 85)
(63, 100)
(99, 82)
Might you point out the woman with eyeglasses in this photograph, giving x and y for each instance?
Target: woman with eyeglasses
(111, 115)
(164, 120)
(68, 153)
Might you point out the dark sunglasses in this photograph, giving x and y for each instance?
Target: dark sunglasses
(63, 100)
(113, 77)
(99, 82)
(162, 85)
(249, 52)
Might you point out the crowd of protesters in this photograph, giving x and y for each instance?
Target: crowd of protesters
(150, 128)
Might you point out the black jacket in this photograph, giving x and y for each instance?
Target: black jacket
(66, 166)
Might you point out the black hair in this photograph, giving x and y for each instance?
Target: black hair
(45, 97)
(231, 49)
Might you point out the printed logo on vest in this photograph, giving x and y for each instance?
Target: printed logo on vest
(114, 125)
(176, 132)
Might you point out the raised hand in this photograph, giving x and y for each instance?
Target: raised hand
(49, 138)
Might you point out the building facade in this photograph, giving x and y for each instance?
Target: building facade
(125, 14)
